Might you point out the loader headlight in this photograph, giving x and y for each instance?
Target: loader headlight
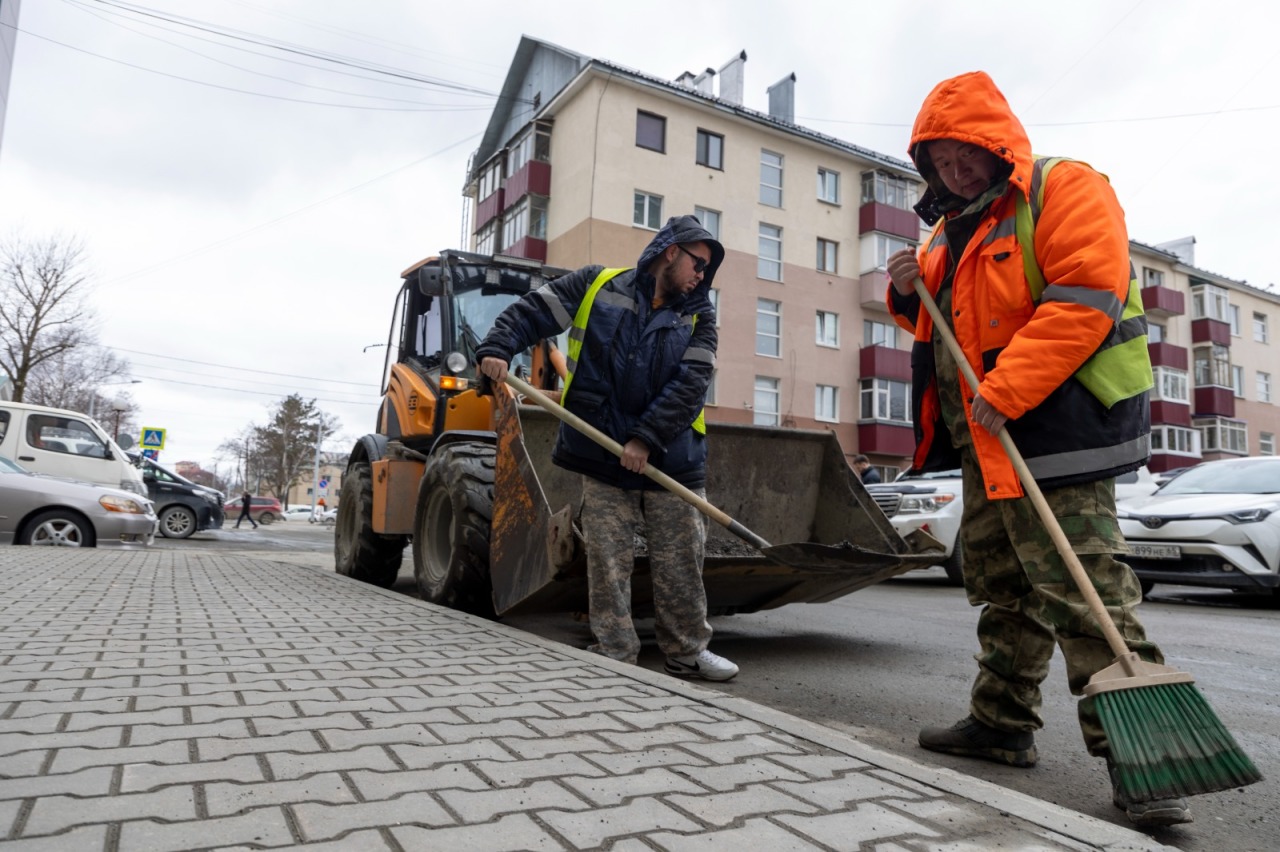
(455, 362)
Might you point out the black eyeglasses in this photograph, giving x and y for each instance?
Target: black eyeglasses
(699, 264)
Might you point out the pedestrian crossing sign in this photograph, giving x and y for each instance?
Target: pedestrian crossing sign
(152, 438)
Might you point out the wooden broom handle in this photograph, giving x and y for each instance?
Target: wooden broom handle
(1078, 574)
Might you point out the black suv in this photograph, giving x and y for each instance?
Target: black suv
(182, 506)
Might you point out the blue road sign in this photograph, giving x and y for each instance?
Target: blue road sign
(152, 438)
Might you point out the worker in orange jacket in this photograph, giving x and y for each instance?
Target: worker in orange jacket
(1031, 355)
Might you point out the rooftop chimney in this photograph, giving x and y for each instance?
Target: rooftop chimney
(731, 77)
(782, 99)
(1184, 248)
(686, 79)
(702, 83)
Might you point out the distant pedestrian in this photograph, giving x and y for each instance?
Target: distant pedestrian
(866, 471)
(245, 502)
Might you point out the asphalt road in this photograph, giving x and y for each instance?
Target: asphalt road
(885, 661)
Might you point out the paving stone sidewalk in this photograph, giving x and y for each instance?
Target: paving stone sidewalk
(175, 700)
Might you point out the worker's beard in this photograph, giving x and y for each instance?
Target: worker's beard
(667, 289)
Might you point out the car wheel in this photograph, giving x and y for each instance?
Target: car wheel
(58, 528)
(1146, 585)
(177, 522)
(954, 566)
(266, 518)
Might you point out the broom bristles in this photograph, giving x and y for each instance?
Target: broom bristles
(1167, 743)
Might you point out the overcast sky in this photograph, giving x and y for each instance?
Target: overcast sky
(248, 211)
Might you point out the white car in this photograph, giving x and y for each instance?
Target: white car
(297, 513)
(1216, 524)
(932, 502)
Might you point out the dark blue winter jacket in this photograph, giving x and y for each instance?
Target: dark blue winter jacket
(642, 372)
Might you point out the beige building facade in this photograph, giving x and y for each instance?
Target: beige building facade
(584, 160)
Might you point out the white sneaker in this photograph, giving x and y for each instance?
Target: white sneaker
(704, 664)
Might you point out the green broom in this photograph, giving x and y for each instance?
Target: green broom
(1165, 740)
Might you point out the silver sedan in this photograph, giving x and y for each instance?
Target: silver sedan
(46, 510)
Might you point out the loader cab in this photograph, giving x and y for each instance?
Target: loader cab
(446, 306)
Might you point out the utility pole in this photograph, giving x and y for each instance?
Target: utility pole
(315, 474)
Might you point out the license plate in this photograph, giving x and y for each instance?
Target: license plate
(1156, 551)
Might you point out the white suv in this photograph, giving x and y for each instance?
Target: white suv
(931, 502)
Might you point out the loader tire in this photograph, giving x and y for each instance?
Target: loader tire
(451, 529)
(358, 551)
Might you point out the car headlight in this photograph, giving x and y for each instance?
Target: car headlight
(1248, 516)
(112, 503)
(215, 499)
(133, 485)
(920, 503)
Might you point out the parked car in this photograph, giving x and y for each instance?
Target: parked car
(1216, 524)
(293, 513)
(65, 443)
(264, 510)
(52, 511)
(325, 516)
(1135, 483)
(182, 506)
(931, 502)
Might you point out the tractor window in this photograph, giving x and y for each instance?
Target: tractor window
(427, 337)
(475, 313)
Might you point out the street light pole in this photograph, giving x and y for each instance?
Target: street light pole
(93, 395)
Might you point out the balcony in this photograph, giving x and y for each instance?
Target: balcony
(1208, 330)
(1166, 413)
(1161, 302)
(530, 247)
(874, 216)
(1212, 400)
(872, 294)
(534, 176)
(1167, 355)
(488, 209)
(886, 438)
(881, 362)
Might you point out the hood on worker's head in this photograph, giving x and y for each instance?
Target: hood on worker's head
(968, 108)
(684, 229)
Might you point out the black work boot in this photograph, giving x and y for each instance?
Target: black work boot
(1158, 812)
(971, 738)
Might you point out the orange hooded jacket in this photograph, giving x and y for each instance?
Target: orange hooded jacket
(1021, 352)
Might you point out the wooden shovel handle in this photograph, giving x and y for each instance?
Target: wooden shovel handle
(1078, 574)
(566, 416)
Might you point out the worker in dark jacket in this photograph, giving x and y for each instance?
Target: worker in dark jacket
(642, 346)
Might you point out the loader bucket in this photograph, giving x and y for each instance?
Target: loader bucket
(791, 487)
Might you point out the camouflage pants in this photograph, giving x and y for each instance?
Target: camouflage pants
(676, 534)
(1013, 571)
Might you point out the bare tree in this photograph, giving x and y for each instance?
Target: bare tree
(44, 307)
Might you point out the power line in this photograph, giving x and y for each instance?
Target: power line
(243, 390)
(230, 367)
(269, 384)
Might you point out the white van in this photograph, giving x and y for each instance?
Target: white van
(65, 443)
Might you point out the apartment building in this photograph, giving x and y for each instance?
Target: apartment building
(583, 160)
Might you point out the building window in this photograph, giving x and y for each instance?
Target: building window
(766, 409)
(884, 399)
(648, 211)
(1266, 443)
(827, 252)
(1262, 384)
(527, 219)
(490, 179)
(1260, 327)
(651, 131)
(1213, 366)
(710, 150)
(711, 389)
(1155, 332)
(770, 178)
(487, 238)
(1233, 319)
(828, 329)
(710, 220)
(1209, 302)
(769, 328)
(1222, 435)
(1152, 277)
(826, 400)
(769, 264)
(534, 144)
(828, 186)
(879, 334)
(886, 245)
(1237, 381)
(1175, 439)
(893, 190)
(1170, 385)
(714, 295)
